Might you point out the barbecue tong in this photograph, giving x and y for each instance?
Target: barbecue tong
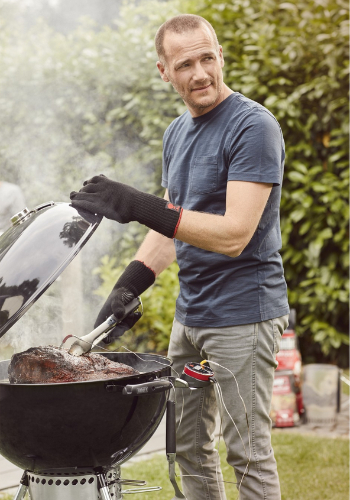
(78, 346)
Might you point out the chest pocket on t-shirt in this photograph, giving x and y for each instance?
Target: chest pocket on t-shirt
(204, 174)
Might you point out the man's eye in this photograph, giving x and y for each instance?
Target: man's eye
(182, 66)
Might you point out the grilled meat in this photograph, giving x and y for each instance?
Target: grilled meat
(47, 365)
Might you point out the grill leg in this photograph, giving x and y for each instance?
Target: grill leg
(22, 488)
(171, 443)
(102, 487)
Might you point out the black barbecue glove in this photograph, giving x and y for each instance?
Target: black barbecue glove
(124, 203)
(136, 278)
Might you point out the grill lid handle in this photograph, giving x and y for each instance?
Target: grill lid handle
(160, 385)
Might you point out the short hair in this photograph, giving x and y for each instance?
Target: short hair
(181, 24)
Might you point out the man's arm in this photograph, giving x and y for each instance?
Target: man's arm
(231, 233)
(228, 234)
(157, 251)
(155, 254)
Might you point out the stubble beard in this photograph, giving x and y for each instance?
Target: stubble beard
(197, 105)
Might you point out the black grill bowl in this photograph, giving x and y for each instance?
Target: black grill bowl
(50, 427)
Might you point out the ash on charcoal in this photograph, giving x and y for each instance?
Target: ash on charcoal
(47, 365)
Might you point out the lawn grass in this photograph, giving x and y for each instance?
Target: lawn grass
(310, 468)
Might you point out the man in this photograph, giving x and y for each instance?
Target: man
(222, 170)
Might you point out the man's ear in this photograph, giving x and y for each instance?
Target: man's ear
(221, 56)
(162, 72)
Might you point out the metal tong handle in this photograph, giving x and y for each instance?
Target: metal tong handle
(87, 342)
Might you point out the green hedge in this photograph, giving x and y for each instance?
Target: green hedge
(292, 57)
(92, 102)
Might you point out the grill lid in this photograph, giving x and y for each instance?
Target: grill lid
(34, 252)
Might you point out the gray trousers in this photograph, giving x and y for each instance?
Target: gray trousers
(249, 352)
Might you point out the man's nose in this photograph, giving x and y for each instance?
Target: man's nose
(199, 72)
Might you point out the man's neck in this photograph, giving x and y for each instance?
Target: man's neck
(225, 92)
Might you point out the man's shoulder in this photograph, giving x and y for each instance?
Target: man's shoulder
(240, 100)
(178, 121)
(249, 109)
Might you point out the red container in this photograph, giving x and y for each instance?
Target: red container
(287, 403)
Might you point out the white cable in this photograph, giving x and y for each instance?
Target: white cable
(245, 450)
(145, 361)
(173, 369)
(182, 409)
(167, 365)
(206, 477)
(230, 416)
(221, 399)
(217, 474)
(234, 423)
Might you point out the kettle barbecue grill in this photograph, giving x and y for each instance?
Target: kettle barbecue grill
(71, 438)
(70, 434)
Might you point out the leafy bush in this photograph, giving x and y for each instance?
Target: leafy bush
(84, 103)
(92, 102)
(292, 57)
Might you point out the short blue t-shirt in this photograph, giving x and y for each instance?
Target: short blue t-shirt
(238, 140)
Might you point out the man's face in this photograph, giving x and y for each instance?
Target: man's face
(193, 65)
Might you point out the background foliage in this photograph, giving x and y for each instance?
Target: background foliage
(91, 101)
(292, 57)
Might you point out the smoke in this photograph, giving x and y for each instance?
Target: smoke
(41, 325)
(58, 130)
(63, 15)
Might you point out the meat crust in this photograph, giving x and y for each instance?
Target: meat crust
(47, 365)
